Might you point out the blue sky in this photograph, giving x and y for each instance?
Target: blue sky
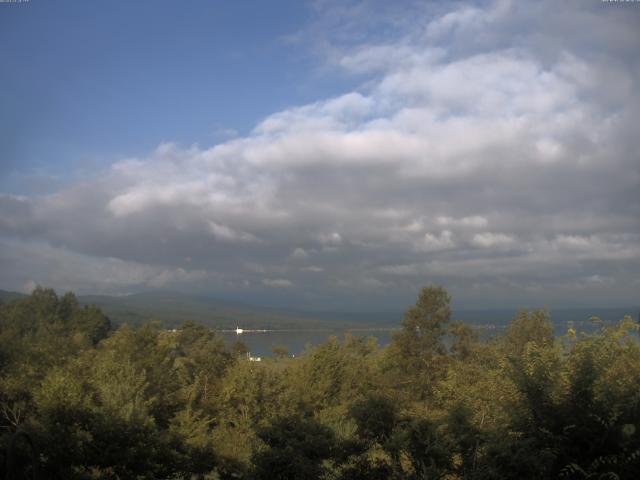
(325, 154)
(85, 83)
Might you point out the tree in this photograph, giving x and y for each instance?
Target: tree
(428, 450)
(376, 417)
(528, 327)
(464, 340)
(418, 351)
(295, 449)
(280, 351)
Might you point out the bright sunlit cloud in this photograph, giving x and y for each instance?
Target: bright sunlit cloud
(487, 147)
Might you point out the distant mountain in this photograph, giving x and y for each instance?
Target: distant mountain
(559, 316)
(6, 296)
(173, 308)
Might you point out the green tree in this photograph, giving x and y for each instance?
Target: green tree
(464, 340)
(417, 353)
(528, 327)
(280, 351)
(376, 417)
(295, 448)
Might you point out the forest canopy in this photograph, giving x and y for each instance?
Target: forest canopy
(437, 403)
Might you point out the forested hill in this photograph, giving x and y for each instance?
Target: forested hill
(147, 403)
(172, 309)
(6, 296)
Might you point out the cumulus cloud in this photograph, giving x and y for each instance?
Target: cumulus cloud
(490, 161)
(432, 242)
(224, 233)
(299, 253)
(490, 240)
(475, 221)
(31, 264)
(312, 268)
(277, 282)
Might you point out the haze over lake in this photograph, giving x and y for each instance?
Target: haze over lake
(488, 323)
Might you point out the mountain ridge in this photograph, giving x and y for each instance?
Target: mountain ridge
(173, 308)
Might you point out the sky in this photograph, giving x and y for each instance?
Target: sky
(327, 155)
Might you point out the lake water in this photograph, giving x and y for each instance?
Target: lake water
(261, 343)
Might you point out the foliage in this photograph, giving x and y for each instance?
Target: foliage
(417, 353)
(295, 448)
(437, 402)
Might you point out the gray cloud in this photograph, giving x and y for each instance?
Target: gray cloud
(491, 148)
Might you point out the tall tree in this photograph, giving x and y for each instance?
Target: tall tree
(417, 351)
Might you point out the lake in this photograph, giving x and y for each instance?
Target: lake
(261, 343)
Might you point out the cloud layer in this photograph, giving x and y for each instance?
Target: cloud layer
(490, 147)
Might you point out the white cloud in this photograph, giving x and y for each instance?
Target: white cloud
(475, 221)
(401, 270)
(299, 254)
(228, 234)
(312, 268)
(277, 282)
(30, 264)
(29, 286)
(414, 226)
(490, 240)
(487, 153)
(573, 242)
(431, 242)
(333, 238)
